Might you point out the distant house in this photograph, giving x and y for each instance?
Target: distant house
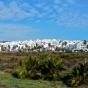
(44, 45)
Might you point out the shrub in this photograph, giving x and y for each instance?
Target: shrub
(40, 68)
(78, 76)
(21, 72)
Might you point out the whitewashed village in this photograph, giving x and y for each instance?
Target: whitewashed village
(44, 45)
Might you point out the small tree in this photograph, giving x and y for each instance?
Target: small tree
(84, 42)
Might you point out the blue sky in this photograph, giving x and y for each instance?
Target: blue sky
(39, 19)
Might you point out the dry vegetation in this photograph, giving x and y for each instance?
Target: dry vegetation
(10, 61)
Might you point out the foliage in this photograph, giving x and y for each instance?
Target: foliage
(22, 72)
(40, 68)
(48, 66)
(78, 75)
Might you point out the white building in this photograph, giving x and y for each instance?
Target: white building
(47, 44)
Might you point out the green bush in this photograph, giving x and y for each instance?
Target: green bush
(40, 68)
(21, 72)
(78, 75)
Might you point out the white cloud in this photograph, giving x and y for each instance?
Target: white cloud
(59, 11)
(14, 11)
(71, 19)
(71, 1)
(15, 27)
(26, 10)
(16, 31)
